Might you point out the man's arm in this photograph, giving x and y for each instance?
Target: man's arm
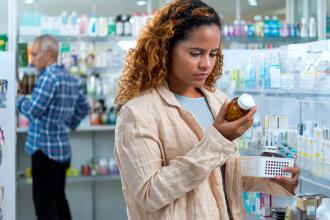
(81, 110)
(42, 95)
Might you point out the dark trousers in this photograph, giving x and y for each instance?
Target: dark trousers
(49, 188)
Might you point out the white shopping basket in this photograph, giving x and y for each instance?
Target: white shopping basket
(267, 167)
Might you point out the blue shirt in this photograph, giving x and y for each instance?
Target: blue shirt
(57, 104)
(200, 109)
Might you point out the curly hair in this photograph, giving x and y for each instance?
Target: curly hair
(147, 64)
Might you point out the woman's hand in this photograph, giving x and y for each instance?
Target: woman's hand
(289, 184)
(234, 129)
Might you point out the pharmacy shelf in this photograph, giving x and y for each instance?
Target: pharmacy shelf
(100, 70)
(297, 94)
(249, 151)
(271, 40)
(310, 177)
(78, 179)
(30, 38)
(92, 70)
(249, 91)
(81, 129)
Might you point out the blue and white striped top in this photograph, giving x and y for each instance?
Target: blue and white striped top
(199, 108)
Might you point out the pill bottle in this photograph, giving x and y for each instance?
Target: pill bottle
(239, 106)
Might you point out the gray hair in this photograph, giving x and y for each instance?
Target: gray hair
(48, 43)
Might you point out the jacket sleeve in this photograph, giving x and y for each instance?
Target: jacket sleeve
(139, 157)
(42, 95)
(80, 111)
(255, 184)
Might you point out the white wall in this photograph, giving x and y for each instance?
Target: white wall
(3, 16)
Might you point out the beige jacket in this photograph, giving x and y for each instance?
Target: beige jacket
(170, 167)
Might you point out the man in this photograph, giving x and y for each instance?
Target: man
(57, 103)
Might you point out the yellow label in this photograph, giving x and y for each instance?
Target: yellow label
(2, 42)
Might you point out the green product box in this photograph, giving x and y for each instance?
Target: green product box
(3, 42)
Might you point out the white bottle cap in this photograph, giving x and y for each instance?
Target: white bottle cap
(245, 101)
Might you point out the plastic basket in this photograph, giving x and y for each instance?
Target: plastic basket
(267, 167)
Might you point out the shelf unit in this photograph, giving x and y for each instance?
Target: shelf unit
(29, 38)
(87, 142)
(262, 42)
(297, 94)
(78, 179)
(91, 70)
(80, 129)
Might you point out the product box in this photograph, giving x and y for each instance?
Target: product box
(275, 76)
(271, 122)
(307, 80)
(307, 203)
(287, 81)
(283, 122)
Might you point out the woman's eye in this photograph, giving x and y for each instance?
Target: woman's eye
(194, 54)
(213, 54)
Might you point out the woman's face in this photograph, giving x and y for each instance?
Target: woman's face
(193, 59)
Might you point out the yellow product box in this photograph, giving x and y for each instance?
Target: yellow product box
(306, 202)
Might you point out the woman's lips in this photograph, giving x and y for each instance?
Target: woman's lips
(201, 76)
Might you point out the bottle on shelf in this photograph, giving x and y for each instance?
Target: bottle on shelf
(312, 27)
(127, 25)
(275, 27)
(84, 25)
(303, 28)
(119, 26)
(267, 26)
(73, 24)
(92, 26)
(102, 27)
(64, 28)
(111, 26)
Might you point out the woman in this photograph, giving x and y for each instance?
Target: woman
(171, 136)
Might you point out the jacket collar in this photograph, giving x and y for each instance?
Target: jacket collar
(170, 99)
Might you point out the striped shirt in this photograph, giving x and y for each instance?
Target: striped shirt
(57, 104)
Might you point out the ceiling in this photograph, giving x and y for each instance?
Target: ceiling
(114, 7)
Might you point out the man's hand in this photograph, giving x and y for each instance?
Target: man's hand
(234, 129)
(289, 184)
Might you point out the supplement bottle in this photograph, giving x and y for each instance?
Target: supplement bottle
(239, 107)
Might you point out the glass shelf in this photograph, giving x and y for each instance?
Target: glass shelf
(92, 70)
(80, 129)
(311, 178)
(297, 94)
(78, 179)
(282, 40)
(100, 70)
(30, 38)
